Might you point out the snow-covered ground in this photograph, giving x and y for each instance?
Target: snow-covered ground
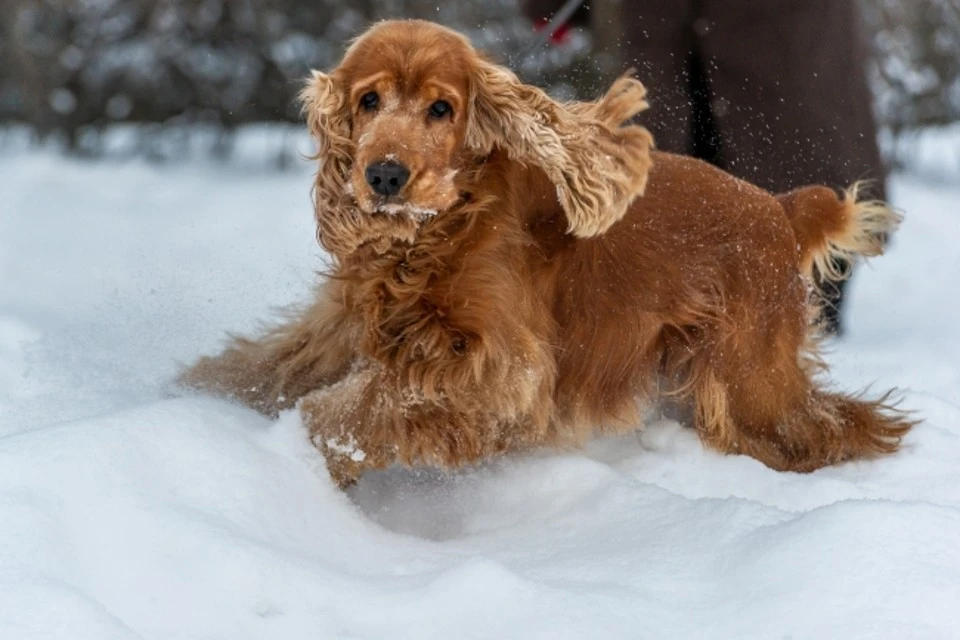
(128, 511)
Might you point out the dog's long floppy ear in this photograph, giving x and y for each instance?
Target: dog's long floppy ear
(325, 107)
(598, 164)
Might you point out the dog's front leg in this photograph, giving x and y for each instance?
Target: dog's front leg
(270, 373)
(350, 423)
(370, 420)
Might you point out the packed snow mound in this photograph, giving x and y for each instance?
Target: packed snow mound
(130, 510)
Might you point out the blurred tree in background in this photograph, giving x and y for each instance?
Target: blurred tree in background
(917, 61)
(70, 68)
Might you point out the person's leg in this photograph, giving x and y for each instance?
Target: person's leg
(791, 100)
(706, 140)
(789, 85)
(659, 45)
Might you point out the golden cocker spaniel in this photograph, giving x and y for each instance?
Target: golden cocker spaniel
(510, 272)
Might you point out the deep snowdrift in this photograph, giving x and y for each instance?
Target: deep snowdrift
(127, 511)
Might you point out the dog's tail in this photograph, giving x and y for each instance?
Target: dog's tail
(832, 231)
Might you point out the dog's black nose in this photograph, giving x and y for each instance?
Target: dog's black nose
(387, 178)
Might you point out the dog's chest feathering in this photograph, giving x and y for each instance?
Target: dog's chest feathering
(406, 304)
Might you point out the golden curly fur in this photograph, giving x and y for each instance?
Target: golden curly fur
(539, 273)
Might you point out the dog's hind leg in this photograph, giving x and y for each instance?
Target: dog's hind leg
(771, 409)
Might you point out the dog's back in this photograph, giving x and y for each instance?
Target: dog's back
(701, 293)
(700, 253)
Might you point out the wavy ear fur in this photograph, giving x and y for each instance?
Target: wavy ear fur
(328, 119)
(598, 166)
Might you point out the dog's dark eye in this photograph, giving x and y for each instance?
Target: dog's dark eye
(440, 108)
(369, 100)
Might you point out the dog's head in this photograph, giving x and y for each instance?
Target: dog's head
(412, 106)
